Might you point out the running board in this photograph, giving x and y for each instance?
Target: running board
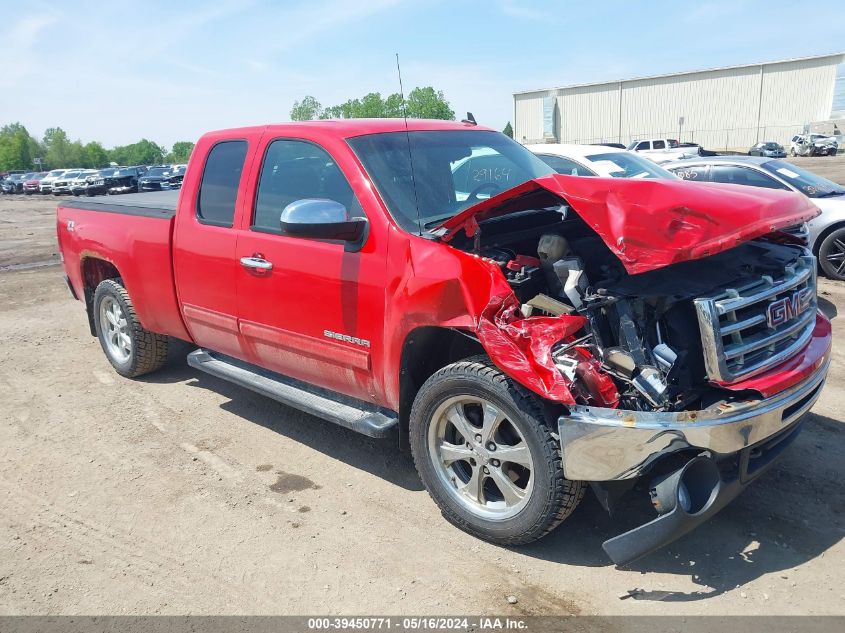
(334, 407)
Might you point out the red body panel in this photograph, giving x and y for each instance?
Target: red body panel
(285, 319)
(139, 247)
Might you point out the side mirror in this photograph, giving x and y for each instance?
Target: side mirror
(321, 219)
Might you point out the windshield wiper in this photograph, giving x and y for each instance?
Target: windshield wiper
(827, 194)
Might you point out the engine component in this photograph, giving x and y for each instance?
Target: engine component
(526, 281)
(665, 356)
(546, 304)
(649, 382)
(620, 361)
(570, 272)
(550, 249)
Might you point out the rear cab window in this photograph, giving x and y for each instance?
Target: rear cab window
(221, 178)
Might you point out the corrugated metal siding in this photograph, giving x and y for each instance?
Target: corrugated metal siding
(720, 107)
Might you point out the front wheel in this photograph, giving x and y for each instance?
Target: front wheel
(487, 456)
(832, 255)
(132, 350)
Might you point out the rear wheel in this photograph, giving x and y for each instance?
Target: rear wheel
(132, 350)
(487, 457)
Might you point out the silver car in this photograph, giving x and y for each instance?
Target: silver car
(826, 232)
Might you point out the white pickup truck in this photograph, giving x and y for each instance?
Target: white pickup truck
(662, 150)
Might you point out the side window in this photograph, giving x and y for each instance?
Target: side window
(694, 173)
(659, 144)
(220, 180)
(565, 166)
(296, 170)
(643, 145)
(735, 175)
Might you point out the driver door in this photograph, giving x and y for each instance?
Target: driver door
(314, 309)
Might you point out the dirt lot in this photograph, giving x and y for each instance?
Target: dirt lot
(178, 493)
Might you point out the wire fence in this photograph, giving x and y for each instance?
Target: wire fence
(738, 139)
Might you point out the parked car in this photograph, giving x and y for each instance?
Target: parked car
(595, 160)
(662, 150)
(46, 184)
(156, 179)
(177, 174)
(13, 183)
(562, 331)
(769, 149)
(79, 185)
(826, 235)
(119, 180)
(61, 185)
(813, 145)
(31, 184)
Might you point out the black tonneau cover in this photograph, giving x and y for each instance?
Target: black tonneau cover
(153, 204)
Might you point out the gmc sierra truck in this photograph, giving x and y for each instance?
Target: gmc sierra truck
(528, 334)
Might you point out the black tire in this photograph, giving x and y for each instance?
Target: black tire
(552, 498)
(832, 255)
(148, 349)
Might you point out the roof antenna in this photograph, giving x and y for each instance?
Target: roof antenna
(470, 119)
(408, 138)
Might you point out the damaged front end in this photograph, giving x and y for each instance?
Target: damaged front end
(679, 335)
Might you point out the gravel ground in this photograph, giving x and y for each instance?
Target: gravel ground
(178, 493)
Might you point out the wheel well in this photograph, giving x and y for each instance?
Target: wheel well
(426, 350)
(95, 270)
(818, 243)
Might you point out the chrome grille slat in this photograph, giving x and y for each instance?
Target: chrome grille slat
(732, 351)
(737, 339)
(732, 305)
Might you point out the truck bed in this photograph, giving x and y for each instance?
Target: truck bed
(132, 233)
(157, 204)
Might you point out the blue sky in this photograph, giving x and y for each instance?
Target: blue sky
(169, 71)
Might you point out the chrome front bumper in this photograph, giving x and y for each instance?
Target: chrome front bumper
(600, 444)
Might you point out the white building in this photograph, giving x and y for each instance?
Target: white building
(721, 108)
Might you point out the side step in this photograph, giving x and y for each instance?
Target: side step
(348, 412)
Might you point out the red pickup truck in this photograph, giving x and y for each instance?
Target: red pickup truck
(528, 334)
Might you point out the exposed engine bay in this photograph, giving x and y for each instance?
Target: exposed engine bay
(641, 348)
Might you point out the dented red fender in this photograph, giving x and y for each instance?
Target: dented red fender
(649, 224)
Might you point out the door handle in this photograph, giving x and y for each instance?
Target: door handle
(257, 263)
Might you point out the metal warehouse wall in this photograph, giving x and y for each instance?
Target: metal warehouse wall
(729, 108)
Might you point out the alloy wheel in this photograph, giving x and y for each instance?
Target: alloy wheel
(115, 330)
(481, 457)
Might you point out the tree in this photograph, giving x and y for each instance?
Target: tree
(57, 146)
(144, 152)
(94, 155)
(428, 103)
(306, 110)
(17, 147)
(508, 131)
(422, 103)
(180, 152)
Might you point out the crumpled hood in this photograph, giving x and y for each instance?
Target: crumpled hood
(649, 224)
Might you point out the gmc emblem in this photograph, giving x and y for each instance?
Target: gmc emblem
(783, 310)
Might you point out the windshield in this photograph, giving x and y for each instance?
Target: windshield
(805, 181)
(158, 172)
(70, 174)
(452, 170)
(627, 165)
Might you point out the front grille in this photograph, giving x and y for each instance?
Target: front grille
(755, 325)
